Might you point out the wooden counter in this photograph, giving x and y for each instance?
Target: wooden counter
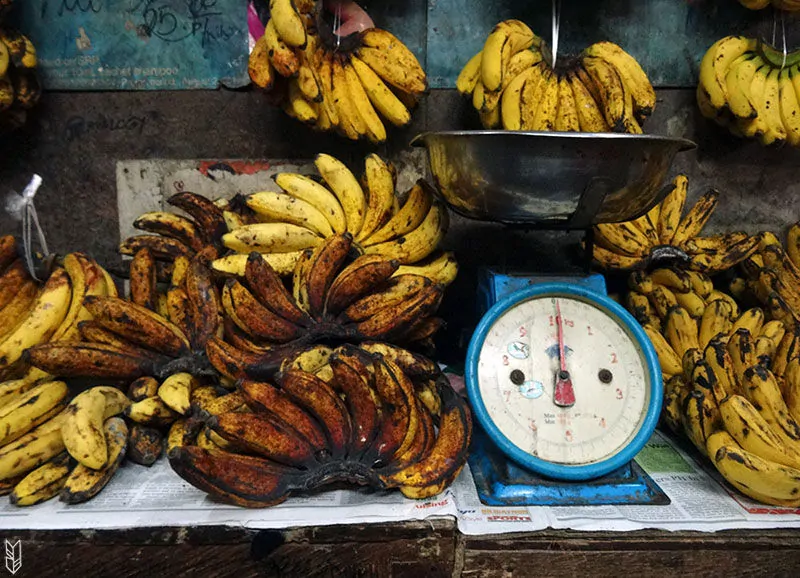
(426, 549)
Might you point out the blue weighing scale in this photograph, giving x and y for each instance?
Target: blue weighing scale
(567, 390)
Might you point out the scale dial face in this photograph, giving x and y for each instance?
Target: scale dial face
(583, 412)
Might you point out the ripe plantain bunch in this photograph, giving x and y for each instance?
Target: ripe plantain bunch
(20, 89)
(367, 425)
(349, 85)
(335, 296)
(125, 340)
(788, 5)
(747, 87)
(282, 225)
(512, 84)
(170, 236)
(737, 399)
(665, 232)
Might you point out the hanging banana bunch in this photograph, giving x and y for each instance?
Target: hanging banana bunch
(513, 86)
(351, 85)
(20, 88)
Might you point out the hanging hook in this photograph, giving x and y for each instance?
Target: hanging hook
(556, 28)
(783, 32)
(22, 208)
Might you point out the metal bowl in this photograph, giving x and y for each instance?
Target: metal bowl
(548, 179)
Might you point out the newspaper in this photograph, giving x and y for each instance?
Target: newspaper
(148, 497)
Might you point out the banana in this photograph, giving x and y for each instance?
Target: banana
(30, 409)
(151, 412)
(316, 397)
(82, 428)
(299, 278)
(694, 221)
(163, 248)
(759, 478)
(505, 40)
(43, 483)
(639, 306)
(715, 244)
(362, 276)
(309, 360)
(297, 106)
(350, 122)
(409, 217)
(271, 238)
(362, 400)
(94, 360)
(718, 295)
(611, 260)
(752, 432)
(398, 289)
(346, 188)
(406, 76)
(42, 321)
(18, 308)
(396, 55)
(282, 263)
(547, 109)
(176, 392)
(719, 361)
(674, 279)
(172, 225)
(793, 240)
(268, 288)
(788, 349)
(441, 268)
(771, 110)
(320, 198)
(263, 397)
(254, 318)
(519, 63)
(716, 321)
(752, 320)
(765, 350)
(623, 238)
(379, 183)
(672, 209)
(144, 445)
(282, 207)
(692, 302)
(84, 483)
(774, 329)
(742, 350)
(264, 435)
(137, 324)
(681, 330)
(762, 389)
(714, 68)
(469, 75)
(590, 117)
(533, 94)
(143, 288)
(510, 100)
(8, 251)
(207, 216)
(326, 261)
(419, 243)
(143, 388)
(631, 73)
(33, 449)
(380, 95)
(202, 396)
(791, 393)
(690, 361)
(756, 126)
(668, 359)
(259, 68)
(375, 130)
(696, 426)
(242, 480)
(662, 299)
(396, 319)
(737, 83)
(611, 91)
(288, 23)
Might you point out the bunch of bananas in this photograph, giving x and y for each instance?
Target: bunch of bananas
(332, 83)
(512, 85)
(748, 88)
(737, 400)
(20, 89)
(282, 225)
(331, 298)
(663, 233)
(32, 313)
(788, 5)
(124, 341)
(368, 425)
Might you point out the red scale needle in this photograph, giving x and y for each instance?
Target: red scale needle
(564, 394)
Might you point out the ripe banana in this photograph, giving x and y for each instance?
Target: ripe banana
(84, 483)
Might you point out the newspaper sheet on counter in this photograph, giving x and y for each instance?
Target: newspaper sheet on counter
(139, 496)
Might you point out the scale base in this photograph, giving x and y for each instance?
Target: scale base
(501, 482)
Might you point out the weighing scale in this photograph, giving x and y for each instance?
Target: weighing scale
(563, 382)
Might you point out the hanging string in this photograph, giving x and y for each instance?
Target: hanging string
(337, 23)
(783, 32)
(556, 28)
(22, 208)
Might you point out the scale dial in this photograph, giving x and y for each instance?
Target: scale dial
(564, 381)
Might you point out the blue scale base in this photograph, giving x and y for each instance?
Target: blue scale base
(501, 482)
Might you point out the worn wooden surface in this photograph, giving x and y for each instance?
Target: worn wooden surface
(411, 549)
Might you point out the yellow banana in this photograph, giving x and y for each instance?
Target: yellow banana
(176, 391)
(381, 96)
(469, 75)
(668, 359)
(716, 321)
(346, 188)
(420, 242)
(30, 409)
(441, 268)
(505, 40)
(288, 23)
(282, 207)
(590, 117)
(714, 68)
(271, 238)
(308, 190)
(681, 330)
(42, 483)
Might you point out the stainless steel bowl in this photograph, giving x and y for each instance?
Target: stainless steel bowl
(547, 179)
